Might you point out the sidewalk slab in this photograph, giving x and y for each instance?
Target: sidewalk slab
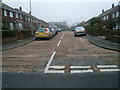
(16, 44)
(101, 42)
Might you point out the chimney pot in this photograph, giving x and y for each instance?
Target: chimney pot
(20, 8)
(103, 11)
(112, 5)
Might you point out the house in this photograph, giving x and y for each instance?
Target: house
(18, 19)
(112, 13)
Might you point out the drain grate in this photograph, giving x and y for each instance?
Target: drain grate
(82, 49)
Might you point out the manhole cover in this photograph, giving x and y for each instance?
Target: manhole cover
(82, 49)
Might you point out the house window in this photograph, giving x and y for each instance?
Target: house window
(107, 17)
(11, 26)
(113, 15)
(11, 14)
(20, 25)
(26, 18)
(5, 12)
(104, 18)
(17, 16)
(117, 14)
(20, 16)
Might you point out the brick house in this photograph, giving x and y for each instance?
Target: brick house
(112, 13)
(16, 18)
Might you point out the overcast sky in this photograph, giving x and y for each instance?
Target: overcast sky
(71, 11)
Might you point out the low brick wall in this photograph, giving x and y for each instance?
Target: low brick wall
(8, 36)
(12, 36)
(24, 34)
(113, 38)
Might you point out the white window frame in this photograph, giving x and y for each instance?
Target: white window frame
(20, 16)
(117, 14)
(17, 15)
(5, 12)
(113, 15)
(11, 14)
(11, 26)
(107, 17)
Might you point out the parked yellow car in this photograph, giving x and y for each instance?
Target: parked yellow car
(43, 33)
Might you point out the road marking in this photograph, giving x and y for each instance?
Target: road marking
(109, 70)
(106, 66)
(81, 39)
(57, 67)
(81, 71)
(73, 67)
(61, 37)
(55, 71)
(58, 43)
(49, 62)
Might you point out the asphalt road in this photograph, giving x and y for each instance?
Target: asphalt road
(65, 61)
(86, 80)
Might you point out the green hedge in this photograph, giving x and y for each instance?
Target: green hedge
(8, 33)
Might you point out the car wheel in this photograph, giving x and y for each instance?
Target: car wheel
(36, 38)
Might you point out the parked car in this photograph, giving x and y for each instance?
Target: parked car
(80, 31)
(53, 31)
(59, 29)
(43, 33)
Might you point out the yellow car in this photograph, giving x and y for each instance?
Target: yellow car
(43, 33)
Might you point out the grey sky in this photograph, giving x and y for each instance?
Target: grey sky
(71, 12)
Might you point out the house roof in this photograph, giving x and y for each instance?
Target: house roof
(112, 10)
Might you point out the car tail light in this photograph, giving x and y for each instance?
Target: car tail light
(46, 29)
(85, 30)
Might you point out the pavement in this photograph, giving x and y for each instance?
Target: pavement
(16, 44)
(102, 42)
(97, 40)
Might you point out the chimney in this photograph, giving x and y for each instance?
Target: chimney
(112, 5)
(20, 8)
(102, 10)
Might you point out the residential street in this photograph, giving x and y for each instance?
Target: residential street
(64, 56)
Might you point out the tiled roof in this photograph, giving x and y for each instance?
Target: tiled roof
(110, 11)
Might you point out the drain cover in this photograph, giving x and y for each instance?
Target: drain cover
(82, 49)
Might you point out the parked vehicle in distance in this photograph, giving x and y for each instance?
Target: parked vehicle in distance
(43, 33)
(80, 31)
(59, 29)
(53, 31)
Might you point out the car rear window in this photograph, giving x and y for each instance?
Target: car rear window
(79, 28)
(42, 30)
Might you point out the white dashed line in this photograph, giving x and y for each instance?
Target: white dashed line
(57, 67)
(73, 67)
(55, 71)
(58, 43)
(61, 37)
(81, 39)
(81, 71)
(106, 66)
(109, 70)
(49, 62)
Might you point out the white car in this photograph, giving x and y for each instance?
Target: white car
(80, 31)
